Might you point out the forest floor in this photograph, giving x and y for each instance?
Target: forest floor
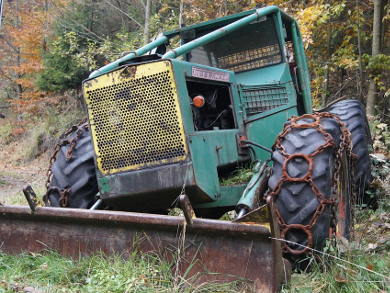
(361, 265)
(16, 173)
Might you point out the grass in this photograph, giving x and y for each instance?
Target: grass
(25, 148)
(3, 181)
(357, 270)
(12, 184)
(17, 198)
(50, 272)
(363, 265)
(354, 271)
(338, 276)
(44, 134)
(241, 175)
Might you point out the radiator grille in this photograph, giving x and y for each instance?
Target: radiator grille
(135, 118)
(260, 100)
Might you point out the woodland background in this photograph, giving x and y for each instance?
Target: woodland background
(47, 47)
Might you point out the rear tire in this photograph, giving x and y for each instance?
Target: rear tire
(296, 202)
(78, 174)
(353, 115)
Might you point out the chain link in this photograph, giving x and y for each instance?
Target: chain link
(63, 141)
(344, 147)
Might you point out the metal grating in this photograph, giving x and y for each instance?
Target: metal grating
(260, 100)
(251, 59)
(136, 123)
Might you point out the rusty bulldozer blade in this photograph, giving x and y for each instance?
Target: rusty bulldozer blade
(204, 250)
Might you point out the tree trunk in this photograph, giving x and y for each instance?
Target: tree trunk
(1, 12)
(181, 13)
(19, 89)
(376, 49)
(325, 84)
(359, 80)
(147, 19)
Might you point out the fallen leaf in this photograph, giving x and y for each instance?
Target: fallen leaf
(143, 278)
(371, 246)
(350, 271)
(354, 245)
(388, 283)
(341, 279)
(30, 289)
(44, 266)
(377, 224)
(343, 245)
(382, 240)
(16, 287)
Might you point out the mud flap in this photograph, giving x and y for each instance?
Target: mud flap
(202, 251)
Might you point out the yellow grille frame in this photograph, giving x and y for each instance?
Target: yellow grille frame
(135, 118)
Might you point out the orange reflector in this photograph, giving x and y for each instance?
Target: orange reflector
(198, 101)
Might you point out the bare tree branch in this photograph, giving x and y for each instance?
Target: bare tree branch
(109, 3)
(8, 41)
(142, 2)
(6, 76)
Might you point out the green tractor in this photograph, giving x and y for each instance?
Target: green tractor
(164, 122)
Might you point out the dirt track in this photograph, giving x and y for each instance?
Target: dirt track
(16, 173)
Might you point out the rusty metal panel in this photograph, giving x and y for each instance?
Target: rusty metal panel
(210, 250)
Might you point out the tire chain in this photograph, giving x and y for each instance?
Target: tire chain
(345, 145)
(63, 141)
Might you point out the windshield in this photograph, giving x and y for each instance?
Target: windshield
(253, 46)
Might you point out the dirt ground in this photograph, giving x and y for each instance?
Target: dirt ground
(16, 173)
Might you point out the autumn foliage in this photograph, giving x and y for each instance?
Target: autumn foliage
(48, 46)
(25, 28)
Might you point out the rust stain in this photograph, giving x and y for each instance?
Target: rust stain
(218, 251)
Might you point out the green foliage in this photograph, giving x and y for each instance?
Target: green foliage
(62, 69)
(137, 274)
(378, 68)
(53, 273)
(380, 133)
(6, 135)
(112, 49)
(241, 176)
(337, 275)
(60, 74)
(380, 169)
(359, 265)
(50, 272)
(346, 57)
(163, 22)
(330, 31)
(44, 132)
(380, 164)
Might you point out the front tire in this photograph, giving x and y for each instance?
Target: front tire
(76, 174)
(302, 184)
